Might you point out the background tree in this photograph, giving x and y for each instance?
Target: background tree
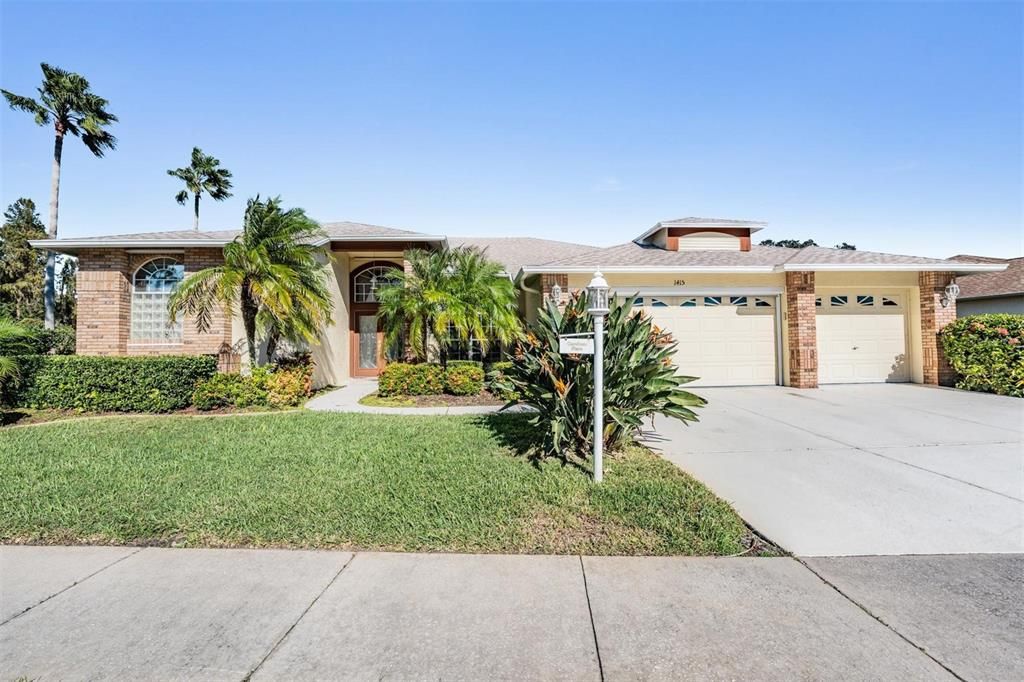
(67, 292)
(21, 266)
(66, 101)
(448, 292)
(204, 174)
(799, 244)
(271, 274)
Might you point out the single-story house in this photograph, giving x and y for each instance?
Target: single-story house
(742, 314)
(991, 292)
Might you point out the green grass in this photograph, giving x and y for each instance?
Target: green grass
(346, 481)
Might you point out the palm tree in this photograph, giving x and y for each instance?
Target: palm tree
(444, 292)
(13, 338)
(271, 273)
(204, 174)
(65, 99)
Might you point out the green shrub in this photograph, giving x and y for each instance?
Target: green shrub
(496, 383)
(283, 386)
(987, 352)
(639, 380)
(400, 378)
(228, 390)
(57, 341)
(108, 384)
(464, 378)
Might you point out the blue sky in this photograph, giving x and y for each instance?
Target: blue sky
(895, 126)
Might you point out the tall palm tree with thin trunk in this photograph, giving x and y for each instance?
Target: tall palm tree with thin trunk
(66, 101)
(272, 275)
(204, 174)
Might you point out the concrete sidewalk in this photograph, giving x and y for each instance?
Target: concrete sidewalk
(87, 613)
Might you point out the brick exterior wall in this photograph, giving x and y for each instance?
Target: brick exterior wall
(802, 330)
(104, 302)
(104, 305)
(548, 281)
(933, 318)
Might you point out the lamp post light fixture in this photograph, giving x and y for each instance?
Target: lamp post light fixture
(556, 294)
(950, 293)
(597, 306)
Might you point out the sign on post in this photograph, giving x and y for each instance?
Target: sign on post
(575, 345)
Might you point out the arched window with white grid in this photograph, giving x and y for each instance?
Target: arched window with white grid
(152, 285)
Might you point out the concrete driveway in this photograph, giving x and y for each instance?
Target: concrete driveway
(862, 470)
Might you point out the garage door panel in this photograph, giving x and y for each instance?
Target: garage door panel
(861, 343)
(723, 345)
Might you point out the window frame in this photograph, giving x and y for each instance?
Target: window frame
(175, 333)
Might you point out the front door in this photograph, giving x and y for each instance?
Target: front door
(366, 346)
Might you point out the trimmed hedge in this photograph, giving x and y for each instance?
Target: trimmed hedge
(283, 386)
(464, 379)
(108, 384)
(402, 378)
(987, 352)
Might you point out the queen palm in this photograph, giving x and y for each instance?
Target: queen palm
(65, 99)
(445, 292)
(271, 275)
(204, 174)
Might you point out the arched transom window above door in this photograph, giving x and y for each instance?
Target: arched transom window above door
(152, 285)
(370, 279)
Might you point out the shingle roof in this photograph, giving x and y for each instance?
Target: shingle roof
(647, 256)
(724, 222)
(633, 254)
(515, 252)
(169, 235)
(346, 229)
(1009, 282)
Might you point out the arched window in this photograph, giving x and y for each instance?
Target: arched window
(368, 281)
(151, 288)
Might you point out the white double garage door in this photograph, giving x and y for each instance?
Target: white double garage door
(734, 340)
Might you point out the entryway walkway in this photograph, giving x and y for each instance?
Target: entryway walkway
(223, 614)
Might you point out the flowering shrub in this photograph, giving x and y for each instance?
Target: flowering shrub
(464, 378)
(401, 378)
(987, 353)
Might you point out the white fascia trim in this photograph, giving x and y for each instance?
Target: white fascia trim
(697, 291)
(645, 269)
(895, 267)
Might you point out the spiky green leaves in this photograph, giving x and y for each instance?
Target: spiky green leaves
(640, 378)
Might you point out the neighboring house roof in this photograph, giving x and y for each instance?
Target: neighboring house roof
(515, 252)
(1009, 282)
(336, 232)
(633, 256)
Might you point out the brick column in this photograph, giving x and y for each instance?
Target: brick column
(800, 325)
(548, 281)
(933, 318)
(104, 302)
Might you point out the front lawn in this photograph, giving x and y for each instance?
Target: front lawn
(343, 481)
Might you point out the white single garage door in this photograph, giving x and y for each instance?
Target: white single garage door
(723, 340)
(862, 337)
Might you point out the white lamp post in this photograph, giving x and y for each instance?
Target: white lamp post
(597, 306)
